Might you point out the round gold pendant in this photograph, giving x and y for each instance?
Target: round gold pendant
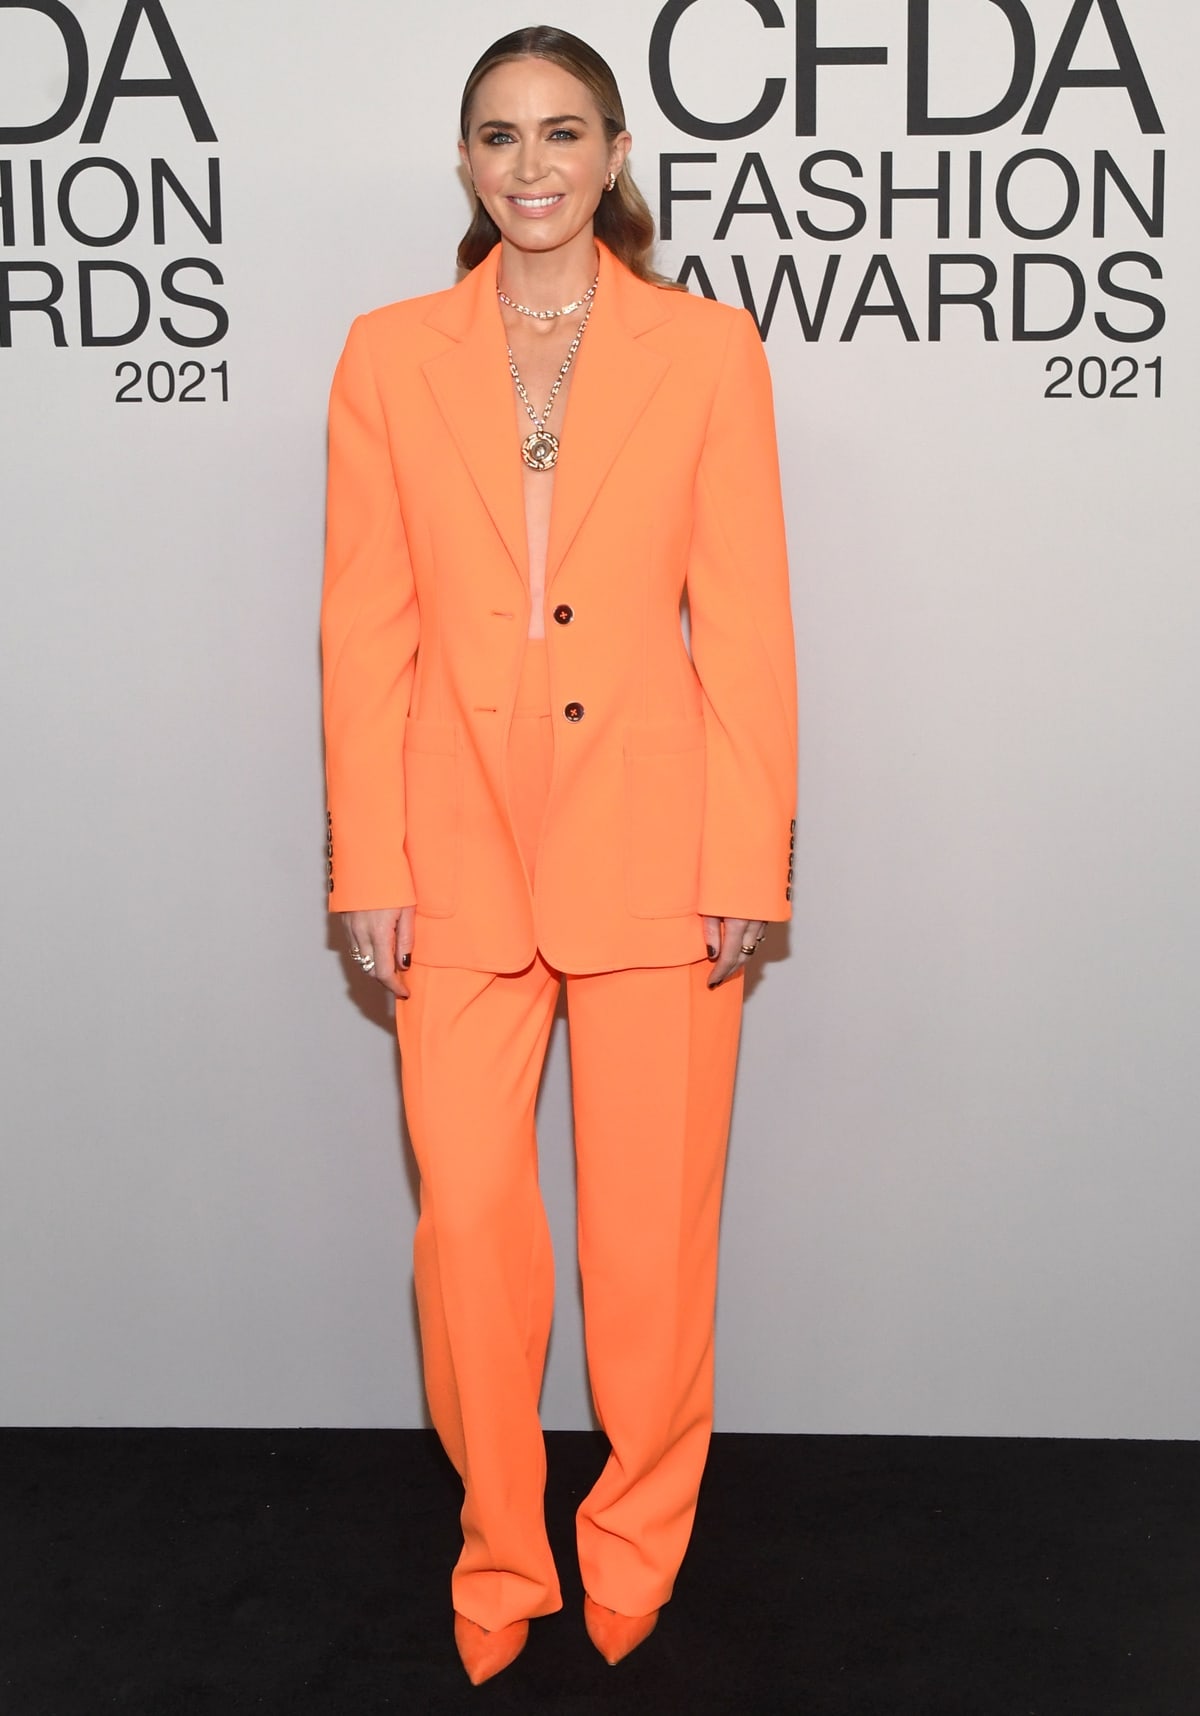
(540, 450)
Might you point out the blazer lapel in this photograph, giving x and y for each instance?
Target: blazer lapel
(615, 378)
(472, 385)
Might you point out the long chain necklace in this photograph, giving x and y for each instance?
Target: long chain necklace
(549, 315)
(540, 450)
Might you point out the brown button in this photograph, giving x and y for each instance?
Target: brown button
(564, 614)
(787, 894)
(574, 711)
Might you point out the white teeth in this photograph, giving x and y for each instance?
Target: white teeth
(535, 202)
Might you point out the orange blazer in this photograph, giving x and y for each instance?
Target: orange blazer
(673, 791)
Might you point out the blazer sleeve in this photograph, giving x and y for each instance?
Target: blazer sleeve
(369, 632)
(743, 645)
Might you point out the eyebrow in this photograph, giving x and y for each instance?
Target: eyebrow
(511, 125)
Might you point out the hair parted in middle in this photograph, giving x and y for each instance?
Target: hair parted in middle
(622, 219)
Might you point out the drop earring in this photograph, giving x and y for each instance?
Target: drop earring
(612, 182)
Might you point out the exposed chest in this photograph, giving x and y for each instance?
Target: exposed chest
(544, 362)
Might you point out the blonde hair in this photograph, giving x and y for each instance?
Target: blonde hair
(622, 219)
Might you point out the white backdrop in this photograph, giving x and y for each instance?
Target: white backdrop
(963, 1182)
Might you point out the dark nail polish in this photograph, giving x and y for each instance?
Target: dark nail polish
(406, 961)
(712, 953)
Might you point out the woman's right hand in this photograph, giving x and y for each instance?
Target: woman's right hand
(386, 938)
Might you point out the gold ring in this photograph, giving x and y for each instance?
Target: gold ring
(753, 948)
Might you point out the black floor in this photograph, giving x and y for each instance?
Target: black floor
(306, 1571)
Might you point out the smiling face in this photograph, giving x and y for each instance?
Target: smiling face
(538, 154)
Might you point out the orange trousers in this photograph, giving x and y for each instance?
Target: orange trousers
(653, 1054)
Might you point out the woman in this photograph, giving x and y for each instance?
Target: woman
(531, 780)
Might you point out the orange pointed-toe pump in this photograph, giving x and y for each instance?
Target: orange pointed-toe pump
(615, 1635)
(485, 1653)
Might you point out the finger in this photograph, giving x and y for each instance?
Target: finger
(712, 935)
(352, 923)
(751, 938)
(365, 956)
(391, 976)
(372, 937)
(730, 958)
(384, 962)
(405, 925)
(402, 943)
(358, 929)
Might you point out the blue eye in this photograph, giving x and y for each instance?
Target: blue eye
(562, 132)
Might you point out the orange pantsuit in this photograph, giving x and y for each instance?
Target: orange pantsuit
(562, 808)
(652, 1062)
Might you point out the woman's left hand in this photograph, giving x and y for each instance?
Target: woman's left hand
(731, 937)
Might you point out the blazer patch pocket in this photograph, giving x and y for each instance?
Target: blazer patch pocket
(432, 788)
(664, 807)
